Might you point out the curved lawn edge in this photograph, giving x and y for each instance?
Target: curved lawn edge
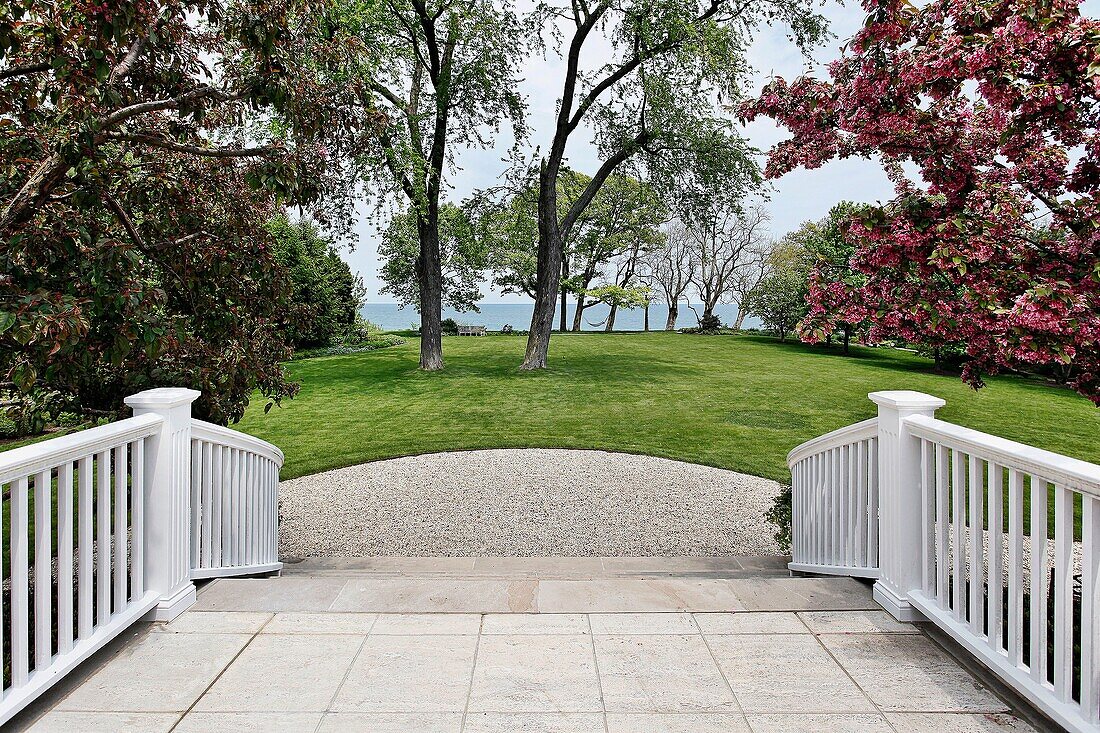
(737, 403)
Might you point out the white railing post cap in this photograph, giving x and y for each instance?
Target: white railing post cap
(163, 397)
(906, 399)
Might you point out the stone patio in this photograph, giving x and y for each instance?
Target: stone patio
(503, 645)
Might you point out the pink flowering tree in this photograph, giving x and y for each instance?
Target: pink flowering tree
(984, 114)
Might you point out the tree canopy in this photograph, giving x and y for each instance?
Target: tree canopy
(462, 253)
(145, 146)
(994, 244)
(325, 293)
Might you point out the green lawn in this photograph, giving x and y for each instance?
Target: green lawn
(734, 402)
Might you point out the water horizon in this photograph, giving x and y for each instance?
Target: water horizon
(494, 316)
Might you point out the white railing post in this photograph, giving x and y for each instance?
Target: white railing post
(900, 530)
(168, 499)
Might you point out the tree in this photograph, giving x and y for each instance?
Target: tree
(985, 115)
(447, 79)
(120, 269)
(827, 248)
(623, 215)
(326, 294)
(669, 269)
(618, 296)
(462, 259)
(779, 301)
(618, 228)
(727, 242)
(655, 101)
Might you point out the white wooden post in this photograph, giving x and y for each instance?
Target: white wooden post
(899, 466)
(168, 499)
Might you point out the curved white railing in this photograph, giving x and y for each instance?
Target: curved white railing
(834, 481)
(234, 502)
(87, 490)
(995, 581)
(965, 542)
(136, 510)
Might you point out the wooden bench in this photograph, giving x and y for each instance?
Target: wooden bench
(471, 330)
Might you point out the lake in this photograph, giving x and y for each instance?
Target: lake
(494, 316)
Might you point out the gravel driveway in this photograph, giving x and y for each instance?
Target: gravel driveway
(531, 502)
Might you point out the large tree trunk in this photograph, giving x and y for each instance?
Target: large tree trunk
(610, 325)
(847, 337)
(564, 303)
(740, 318)
(548, 277)
(673, 312)
(646, 325)
(430, 278)
(577, 314)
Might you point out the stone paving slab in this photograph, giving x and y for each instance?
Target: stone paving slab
(430, 594)
(728, 672)
(567, 645)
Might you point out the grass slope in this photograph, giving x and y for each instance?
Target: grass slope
(733, 402)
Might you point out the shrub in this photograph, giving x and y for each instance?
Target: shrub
(710, 323)
(780, 516)
(8, 428)
(361, 331)
(506, 328)
(375, 342)
(449, 327)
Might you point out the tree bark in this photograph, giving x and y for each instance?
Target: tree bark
(646, 326)
(564, 292)
(610, 324)
(549, 274)
(430, 278)
(673, 313)
(740, 320)
(577, 314)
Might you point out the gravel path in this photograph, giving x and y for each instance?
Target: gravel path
(532, 502)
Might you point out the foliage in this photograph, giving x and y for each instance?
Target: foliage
(656, 102)
(141, 160)
(373, 343)
(447, 79)
(625, 213)
(449, 326)
(616, 296)
(462, 255)
(360, 330)
(779, 301)
(993, 244)
(780, 514)
(325, 293)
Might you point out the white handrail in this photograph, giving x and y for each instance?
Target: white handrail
(1070, 472)
(133, 507)
(965, 543)
(202, 430)
(841, 436)
(28, 459)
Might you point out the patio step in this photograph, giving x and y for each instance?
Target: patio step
(535, 585)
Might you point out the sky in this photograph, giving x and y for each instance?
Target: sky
(796, 197)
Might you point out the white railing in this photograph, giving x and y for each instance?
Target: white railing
(965, 542)
(234, 502)
(834, 484)
(100, 537)
(92, 575)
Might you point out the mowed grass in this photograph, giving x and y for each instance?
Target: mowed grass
(739, 402)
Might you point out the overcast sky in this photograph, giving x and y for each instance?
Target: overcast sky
(796, 197)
